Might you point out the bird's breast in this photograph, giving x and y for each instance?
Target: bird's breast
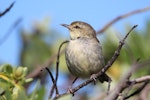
(84, 57)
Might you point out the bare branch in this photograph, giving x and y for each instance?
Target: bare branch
(7, 9)
(53, 80)
(122, 17)
(141, 79)
(57, 68)
(117, 52)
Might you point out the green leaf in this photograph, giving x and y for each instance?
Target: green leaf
(6, 68)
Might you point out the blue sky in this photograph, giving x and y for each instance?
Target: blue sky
(95, 12)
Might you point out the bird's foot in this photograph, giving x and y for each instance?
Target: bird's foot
(70, 90)
(93, 76)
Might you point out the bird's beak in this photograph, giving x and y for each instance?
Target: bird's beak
(65, 25)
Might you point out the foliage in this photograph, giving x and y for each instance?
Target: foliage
(12, 80)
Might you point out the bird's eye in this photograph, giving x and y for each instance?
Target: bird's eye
(77, 27)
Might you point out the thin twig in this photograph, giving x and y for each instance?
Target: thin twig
(117, 52)
(141, 79)
(53, 80)
(15, 24)
(7, 9)
(110, 62)
(50, 73)
(137, 91)
(57, 67)
(122, 17)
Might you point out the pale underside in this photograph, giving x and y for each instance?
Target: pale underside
(84, 57)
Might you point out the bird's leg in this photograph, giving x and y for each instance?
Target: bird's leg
(104, 77)
(70, 87)
(93, 77)
(109, 82)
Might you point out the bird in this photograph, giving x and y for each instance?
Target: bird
(83, 54)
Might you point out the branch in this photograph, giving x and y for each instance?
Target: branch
(57, 68)
(110, 62)
(141, 79)
(7, 9)
(138, 90)
(122, 17)
(53, 80)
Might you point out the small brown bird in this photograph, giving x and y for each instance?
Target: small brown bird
(84, 55)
